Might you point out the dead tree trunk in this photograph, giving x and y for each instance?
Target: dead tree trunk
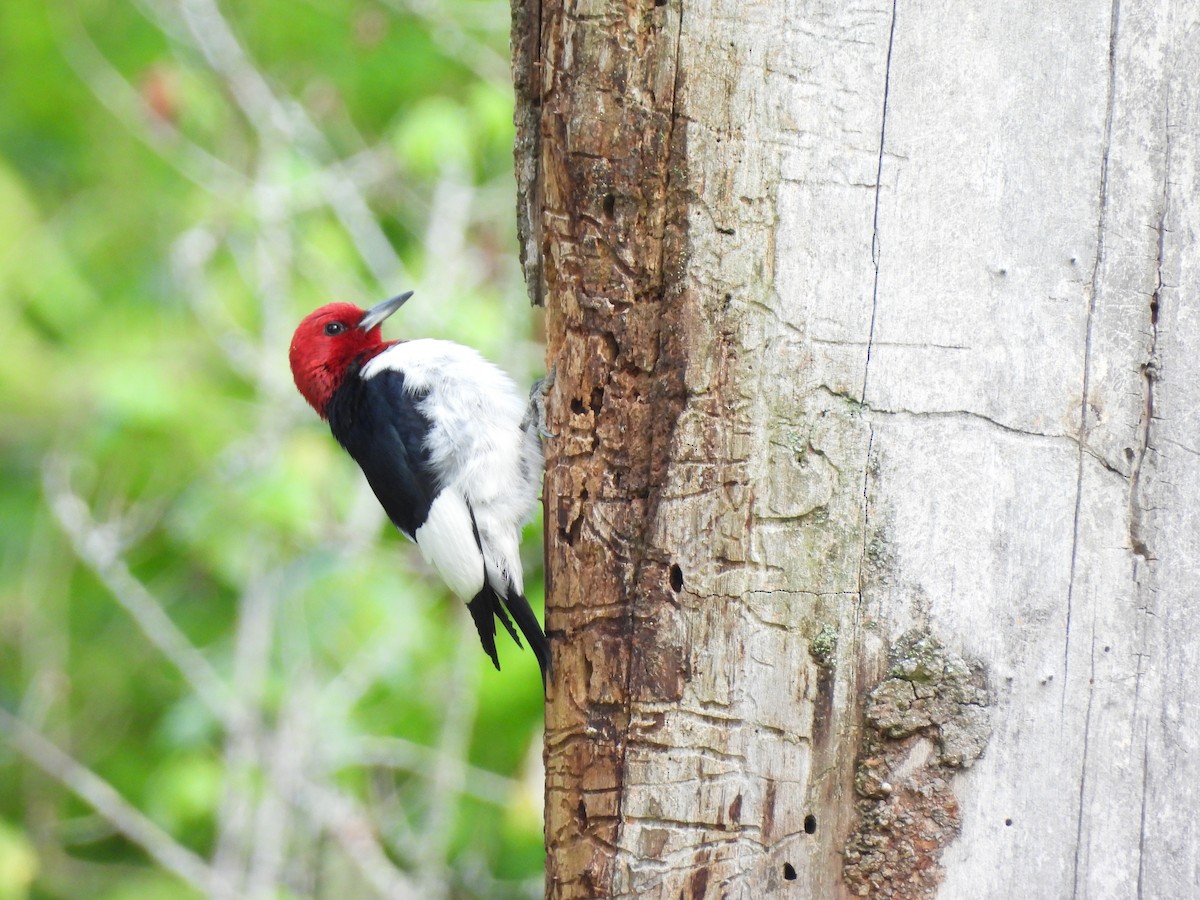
(871, 512)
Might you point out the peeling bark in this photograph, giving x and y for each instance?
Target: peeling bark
(926, 720)
(610, 252)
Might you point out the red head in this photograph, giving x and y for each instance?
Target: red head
(328, 340)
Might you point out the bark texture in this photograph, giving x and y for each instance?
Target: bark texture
(875, 329)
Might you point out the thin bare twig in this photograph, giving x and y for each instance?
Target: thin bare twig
(285, 120)
(105, 799)
(357, 676)
(454, 40)
(245, 739)
(125, 102)
(285, 767)
(354, 832)
(449, 773)
(191, 254)
(99, 549)
(398, 753)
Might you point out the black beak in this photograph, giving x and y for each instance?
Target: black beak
(381, 311)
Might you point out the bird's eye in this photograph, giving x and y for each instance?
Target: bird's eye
(334, 328)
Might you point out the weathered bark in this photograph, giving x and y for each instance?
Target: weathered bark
(876, 417)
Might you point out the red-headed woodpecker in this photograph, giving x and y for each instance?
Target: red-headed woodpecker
(443, 438)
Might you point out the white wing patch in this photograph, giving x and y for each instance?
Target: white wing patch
(447, 542)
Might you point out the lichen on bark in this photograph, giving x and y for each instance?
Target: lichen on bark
(926, 720)
(823, 647)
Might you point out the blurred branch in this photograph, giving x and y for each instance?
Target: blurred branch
(345, 689)
(285, 765)
(449, 773)
(286, 122)
(398, 753)
(456, 41)
(273, 252)
(102, 797)
(353, 830)
(446, 233)
(191, 254)
(125, 102)
(244, 738)
(99, 548)
(44, 643)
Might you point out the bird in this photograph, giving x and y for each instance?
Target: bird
(448, 445)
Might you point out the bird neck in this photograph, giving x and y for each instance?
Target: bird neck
(319, 379)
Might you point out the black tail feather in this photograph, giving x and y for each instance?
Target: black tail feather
(498, 609)
(528, 623)
(487, 607)
(482, 609)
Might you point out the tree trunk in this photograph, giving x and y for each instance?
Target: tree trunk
(872, 527)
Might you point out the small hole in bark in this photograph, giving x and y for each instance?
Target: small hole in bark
(789, 872)
(581, 813)
(660, 2)
(571, 535)
(570, 521)
(810, 824)
(676, 579)
(577, 406)
(1106, 649)
(597, 399)
(1128, 451)
(610, 204)
(1008, 823)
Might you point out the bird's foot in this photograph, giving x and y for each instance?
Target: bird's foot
(535, 415)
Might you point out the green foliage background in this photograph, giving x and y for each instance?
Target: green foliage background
(179, 183)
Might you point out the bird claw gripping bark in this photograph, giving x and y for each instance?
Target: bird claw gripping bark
(535, 415)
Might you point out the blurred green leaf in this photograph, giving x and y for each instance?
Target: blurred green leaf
(436, 134)
(18, 863)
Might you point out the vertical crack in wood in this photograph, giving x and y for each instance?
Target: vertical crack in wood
(1142, 817)
(1138, 540)
(1102, 201)
(887, 78)
(1083, 435)
(1083, 769)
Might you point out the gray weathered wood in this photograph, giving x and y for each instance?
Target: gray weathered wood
(940, 301)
